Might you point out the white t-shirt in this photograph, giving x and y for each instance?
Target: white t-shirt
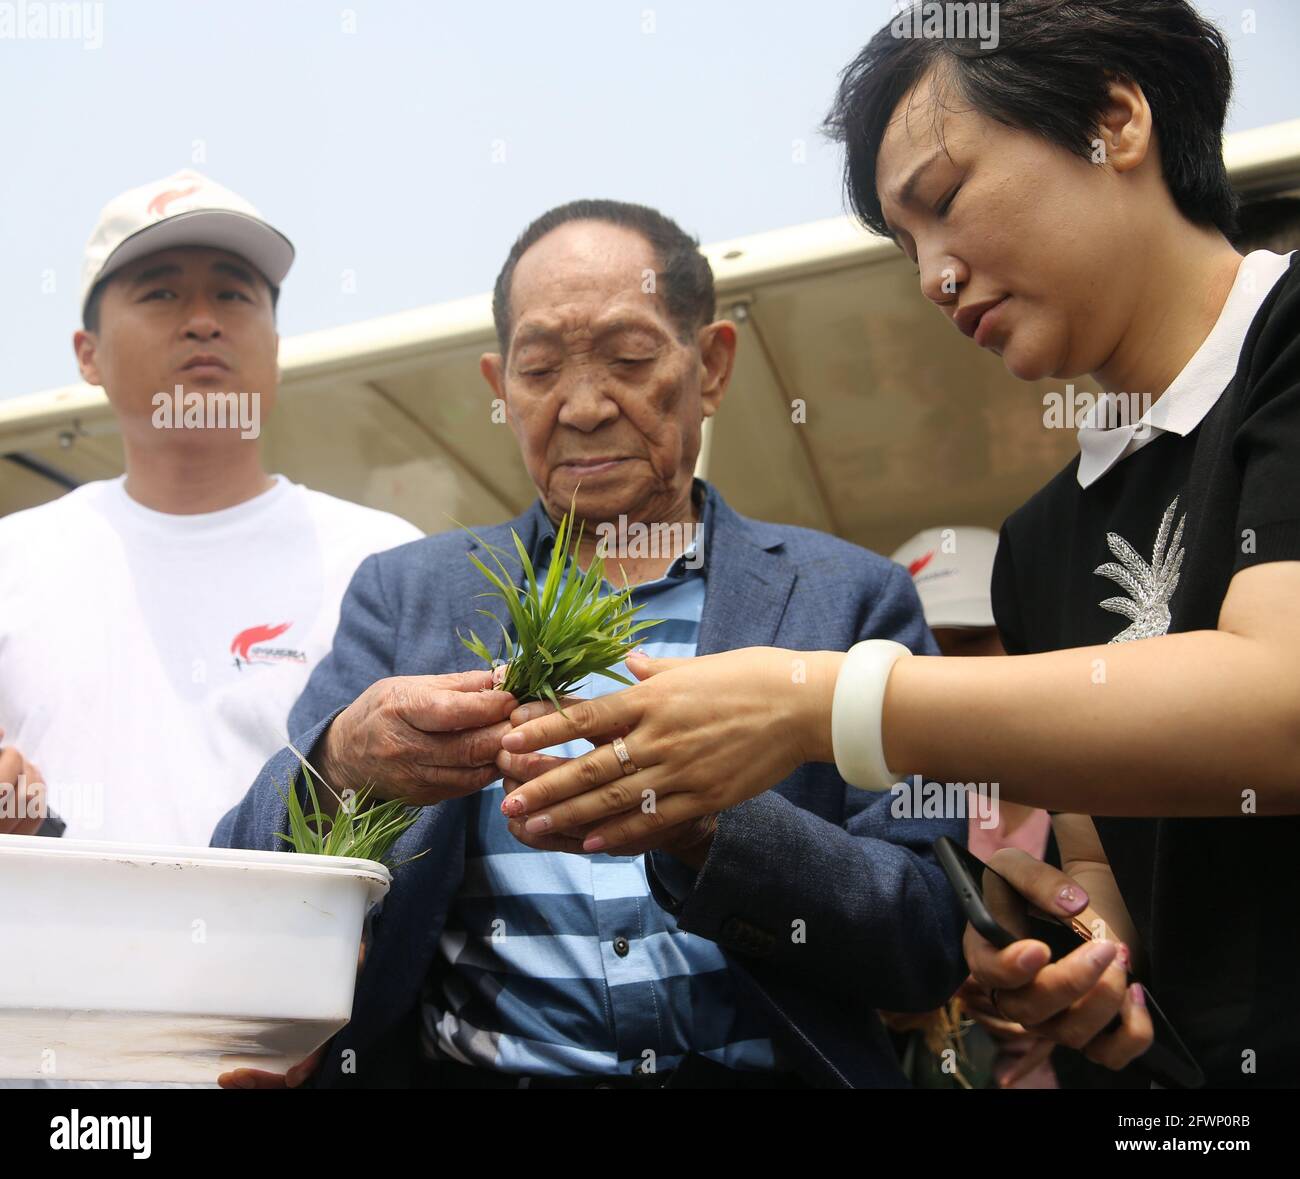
(148, 661)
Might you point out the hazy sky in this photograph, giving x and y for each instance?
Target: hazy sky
(402, 144)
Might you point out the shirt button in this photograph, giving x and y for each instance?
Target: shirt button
(621, 946)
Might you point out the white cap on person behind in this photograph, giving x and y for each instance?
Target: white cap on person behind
(952, 569)
(186, 209)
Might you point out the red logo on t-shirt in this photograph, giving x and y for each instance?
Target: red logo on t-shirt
(920, 563)
(249, 646)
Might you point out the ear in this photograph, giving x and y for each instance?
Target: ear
(84, 344)
(493, 367)
(718, 354)
(1126, 127)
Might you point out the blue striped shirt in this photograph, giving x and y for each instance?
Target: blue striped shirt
(559, 964)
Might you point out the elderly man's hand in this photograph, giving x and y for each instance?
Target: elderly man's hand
(256, 1078)
(22, 794)
(423, 739)
(298, 1074)
(1075, 1000)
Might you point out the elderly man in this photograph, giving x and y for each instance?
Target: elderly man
(749, 950)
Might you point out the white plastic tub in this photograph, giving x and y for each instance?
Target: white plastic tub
(124, 962)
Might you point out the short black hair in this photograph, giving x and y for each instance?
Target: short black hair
(1269, 223)
(684, 279)
(1048, 73)
(90, 315)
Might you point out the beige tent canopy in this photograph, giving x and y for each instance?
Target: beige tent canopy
(855, 407)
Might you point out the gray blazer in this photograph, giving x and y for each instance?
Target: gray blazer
(882, 927)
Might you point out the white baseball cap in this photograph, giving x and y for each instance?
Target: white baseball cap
(186, 209)
(952, 569)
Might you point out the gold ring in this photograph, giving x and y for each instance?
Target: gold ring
(624, 758)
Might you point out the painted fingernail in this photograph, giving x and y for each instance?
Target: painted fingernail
(1071, 898)
(593, 843)
(538, 824)
(1102, 954)
(1123, 957)
(514, 807)
(1138, 995)
(1033, 958)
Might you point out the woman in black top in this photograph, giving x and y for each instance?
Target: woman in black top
(1063, 195)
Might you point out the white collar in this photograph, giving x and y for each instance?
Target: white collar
(1194, 391)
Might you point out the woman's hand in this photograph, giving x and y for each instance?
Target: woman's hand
(704, 733)
(689, 841)
(1020, 1051)
(1075, 1000)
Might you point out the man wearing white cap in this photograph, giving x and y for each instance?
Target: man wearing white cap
(952, 569)
(157, 627)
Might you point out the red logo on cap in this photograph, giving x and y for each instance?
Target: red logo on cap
(920, 563)
(158, 206)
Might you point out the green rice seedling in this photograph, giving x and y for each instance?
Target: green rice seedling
(356, 829)
(564, 629)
